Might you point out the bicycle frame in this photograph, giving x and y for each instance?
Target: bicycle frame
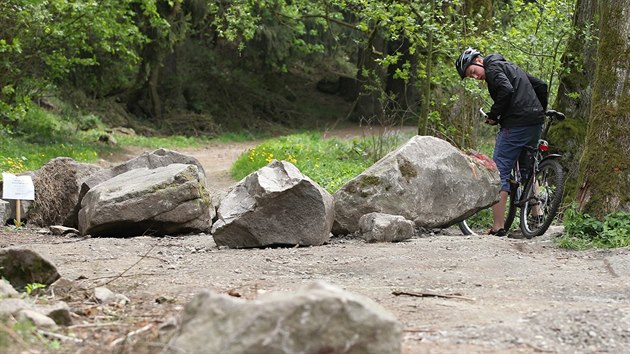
(525, 192)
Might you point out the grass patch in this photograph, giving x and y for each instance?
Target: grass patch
(39, 137)
(42, 136)
(329, 162)
(18, 155)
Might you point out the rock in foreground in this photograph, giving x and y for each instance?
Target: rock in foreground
(319, 318)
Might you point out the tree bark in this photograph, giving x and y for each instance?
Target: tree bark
(483, 7)
(575, 90)
(423, 120)
(604, 182)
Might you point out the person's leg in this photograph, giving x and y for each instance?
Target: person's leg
(508, 148)
(498, 211)
(506, 153)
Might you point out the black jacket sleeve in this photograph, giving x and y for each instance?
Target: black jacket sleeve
(540, 87)
(502, 89)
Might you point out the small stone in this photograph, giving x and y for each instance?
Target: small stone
(104, 295)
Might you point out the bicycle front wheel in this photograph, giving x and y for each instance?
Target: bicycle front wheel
(516, 189)
(543, 197)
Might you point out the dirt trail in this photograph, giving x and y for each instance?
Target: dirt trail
(510, 295)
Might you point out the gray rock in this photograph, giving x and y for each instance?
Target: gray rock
(427, 180)
(319, 318)
(58, 230)
(150, 160)
(62, 288)
(276, 205)
(12, 306)
(9, 213)
(22, 266)
(38, 319)
(4, 211)
(58, 312)
(378, 227)
(104, 295)
(164, 200)
(6, 290)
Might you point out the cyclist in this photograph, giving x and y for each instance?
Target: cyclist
(520, 102)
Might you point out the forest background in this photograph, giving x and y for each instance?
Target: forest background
(199, 68)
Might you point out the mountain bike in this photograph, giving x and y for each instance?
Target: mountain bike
(536, 186)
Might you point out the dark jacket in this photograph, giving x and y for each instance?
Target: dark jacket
(519, 99)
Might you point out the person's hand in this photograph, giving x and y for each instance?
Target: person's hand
(491, 121)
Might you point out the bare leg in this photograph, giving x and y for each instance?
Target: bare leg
(498, 211)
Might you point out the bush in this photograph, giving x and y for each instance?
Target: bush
(584, 231)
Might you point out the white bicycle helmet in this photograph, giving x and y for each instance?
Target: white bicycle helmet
(465, 60)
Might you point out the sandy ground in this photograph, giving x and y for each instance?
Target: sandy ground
(482, 294)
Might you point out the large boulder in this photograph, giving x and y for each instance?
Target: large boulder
(22, 266)
(57, 185)
(150, 160)
(276, 205)
(319, 318)
(164, 200)
(426, 180)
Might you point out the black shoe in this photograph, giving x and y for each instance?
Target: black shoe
(498, 233)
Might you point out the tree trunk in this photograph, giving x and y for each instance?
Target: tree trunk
(483, 7)
(423, 120)
(370, 77)
(147, 96)
(604, 182)
(403, 101)
(575, 90)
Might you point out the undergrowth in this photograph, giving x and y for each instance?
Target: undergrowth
(329, 162)
(42, 136)
(582, 231)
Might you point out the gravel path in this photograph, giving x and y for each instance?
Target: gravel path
(495, 295)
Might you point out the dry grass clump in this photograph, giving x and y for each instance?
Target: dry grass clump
(57, 186)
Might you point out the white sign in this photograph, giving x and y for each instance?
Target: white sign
(17, 187)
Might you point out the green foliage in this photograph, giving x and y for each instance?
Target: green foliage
(34, 288)
(44, 41)
(481, 220)
(374, 147)
(329, 162)
(584, 231)
(535, 37)
(27, 334)
(40, 137)
(17, 155)
(43, 136)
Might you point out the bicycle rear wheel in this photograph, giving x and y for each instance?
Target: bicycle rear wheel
(543, 197)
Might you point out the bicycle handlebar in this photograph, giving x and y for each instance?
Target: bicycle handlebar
(549, 113)
(555, 114)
